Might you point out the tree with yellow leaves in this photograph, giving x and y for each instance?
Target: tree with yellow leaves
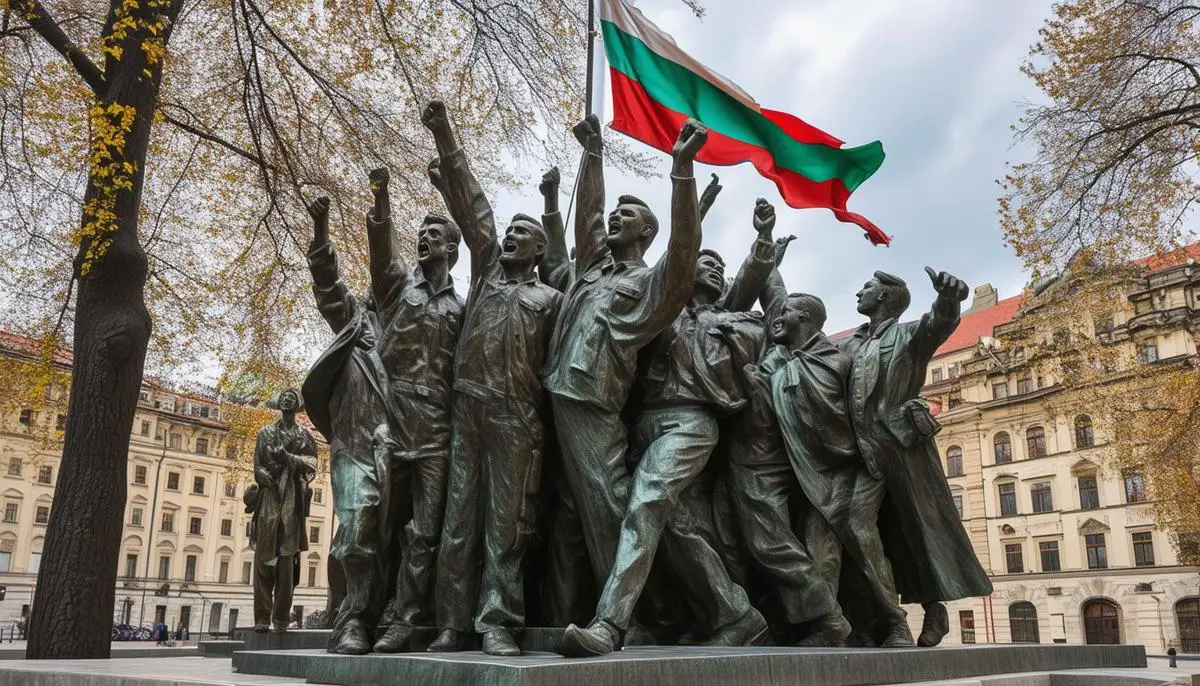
(1112, 181)
(156, 156)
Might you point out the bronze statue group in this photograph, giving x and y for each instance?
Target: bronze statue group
(626, 450)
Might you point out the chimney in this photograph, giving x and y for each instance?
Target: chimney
(985, 297)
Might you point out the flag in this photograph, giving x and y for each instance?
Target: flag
(656, 87)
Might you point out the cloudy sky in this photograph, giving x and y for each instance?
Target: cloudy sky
(937, 81)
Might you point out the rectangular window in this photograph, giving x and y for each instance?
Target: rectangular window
(27, 417)
(160, 614)
(954, 370)
(41, 515)
(1143, 549)
(46, 475)
(312, 575)
(185, 617)
(1135, 487)
(958, 505)
(1013, 559)
(172, 481)
(35, 563)
(5, 562)
(130, 565)
(139, 474)
(201, 446)
(226, 527)
(999, 390)
(164, 567)
(60, 422)
(314, 534)
(1097, 554)
(1024, 386)
(1039, 493)
(198, 485)
(1008, 499)
(145, 428)
(966, 624)
(189, 568)
(168, 522)
(10, 512)
(1089, 494)
(1048, 550)
(14, 466)
(194, 525)
(318, 495)
(936, 375)
(176, 441)
(247, 567)
(223, 572)
(231, 489)
(955, 398)
(1148, 352)
(135, 517)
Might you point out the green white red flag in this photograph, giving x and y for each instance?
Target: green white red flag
(656, 87)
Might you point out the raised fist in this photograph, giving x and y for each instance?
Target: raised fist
(434, 169)
(948, 286)
(587, 132)
(434, 115)
(691, 138)
(319, 209)
(549, 184)
(764, 217)
(379, 180)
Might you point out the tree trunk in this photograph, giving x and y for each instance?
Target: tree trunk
(72, 613)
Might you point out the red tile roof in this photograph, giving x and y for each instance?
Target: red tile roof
(981, 323)
(1172, 258)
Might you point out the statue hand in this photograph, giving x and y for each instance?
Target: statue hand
(709, 196)
(379, 180)
(948, 286)
(434, 169)
(319, 211)
(781, 246)
(434, 116)
(692, 137)
(764, 218)
(549, 185)
(587, 132)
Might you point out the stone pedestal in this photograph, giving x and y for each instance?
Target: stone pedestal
(660, 666)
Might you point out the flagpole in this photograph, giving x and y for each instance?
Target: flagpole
(591, 47)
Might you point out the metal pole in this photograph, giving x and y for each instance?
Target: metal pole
(591, 45)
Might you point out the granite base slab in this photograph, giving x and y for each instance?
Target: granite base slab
(657, 666)
(530, 639)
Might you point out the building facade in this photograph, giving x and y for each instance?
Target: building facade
(185, 557)
(1069, 541)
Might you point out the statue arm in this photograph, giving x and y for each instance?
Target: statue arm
(334, 300)
(942, 319)
(389, 272)
(753, 274)
(589, 211)
(555, 268)
(676, 271)
(460, 189)
(262, 473)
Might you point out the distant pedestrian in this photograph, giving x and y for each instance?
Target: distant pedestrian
(1171, 652)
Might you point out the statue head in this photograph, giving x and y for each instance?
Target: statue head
(710, 273)
(437, 240)
(803, 315)
(884, 296)
(524, 241)
(632, 223)
(288, 400)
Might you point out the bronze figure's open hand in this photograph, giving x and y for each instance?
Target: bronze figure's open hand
(434, 169)
(764, 217)
(692, 137)
(709, 196)
(549, 184)
(781, 246)
(379, 180)
(587, 132)
(948, 286)
(434, 116)
(319, 211)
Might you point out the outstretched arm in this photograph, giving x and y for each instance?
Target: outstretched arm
(677, 269)
(709, 196)
(389, 273)
(942, 319)
(755, 270)
(464, 196)
(334, 300)
(555, 269)
(589, 212)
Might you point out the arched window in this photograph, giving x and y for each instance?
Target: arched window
(1023, 622)
(1187, 614)
(1035, 442)
(1101, 623)
(954, 462)
(1084, 436)
(1002, 447)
